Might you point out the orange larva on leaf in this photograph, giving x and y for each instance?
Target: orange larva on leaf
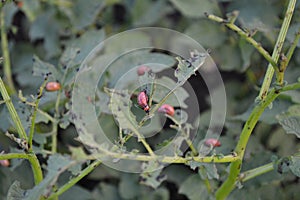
(142, 69)
(4, 163)
(142, 100)
(167, 109)
(53, 86)
(212, 142)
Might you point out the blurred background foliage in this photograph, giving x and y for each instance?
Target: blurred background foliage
(47, 27)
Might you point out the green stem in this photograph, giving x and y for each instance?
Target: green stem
(36, 105)
(74, 180)
(191, 146)
(144, 142)
(54, 137)
(6, 57)
(288, 87)
(165, 159)
(45, 114)
(293, 47)
(12, 111)
(13, 156)
(247, 175)
(277, 50)
(36, 168)
(235, 166)
(206, 180)
(246, 36)
(35, 165)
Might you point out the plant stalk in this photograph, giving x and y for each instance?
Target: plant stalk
(74, 180)
(277, 50)
(6, 57)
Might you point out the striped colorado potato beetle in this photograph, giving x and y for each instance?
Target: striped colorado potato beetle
(212, 142)
(53, 86)
(142, 100)
(167, 109)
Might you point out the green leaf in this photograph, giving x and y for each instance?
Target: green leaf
(41, 68)
(210, 35)
(293, 29)
(210, 170)
(126, 41)
(106, 191)
(163, 87)
(77, 153)
(120, 105)
(295, 165)
(291, 124)
(246, 52)
(10, 9)
(269, 115)
(229, 57)
(32, 9)
(129, 187)
(40, 30)
(195, 8)
(187, 68)
(159, 193)
(124, 69)
(290, 120)
(15, 192)
(86, 42)
(193, 187)
(151, 175)
(68, 56)
(83, 13)
(145, 13)
(41, 118)
(76, 193)
(64, 122)
(56, 165)
(294, 95)
(256, 14)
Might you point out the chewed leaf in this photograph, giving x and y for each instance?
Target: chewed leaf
(291, 125)
(295, 165)
(56, 165)
(164, 85)
(151, 175)
(68, 57)
(210, 171)
(43, 69)
(186, 68)
(147, 81)
(120, 105)
(193, 187)
(15, 192)
(290, 120)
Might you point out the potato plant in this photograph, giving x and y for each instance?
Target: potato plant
(98, 102)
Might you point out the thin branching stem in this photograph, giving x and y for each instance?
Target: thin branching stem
(74, 180)
(12, 111)
(35, 165)
(247, 175)
(277, 50)
(6, 57)
(36, 105)
(245, 36)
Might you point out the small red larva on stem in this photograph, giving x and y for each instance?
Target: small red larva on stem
(167, 109)
(53, 86)
(212, 142)
(142, 100)
(4, 163)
